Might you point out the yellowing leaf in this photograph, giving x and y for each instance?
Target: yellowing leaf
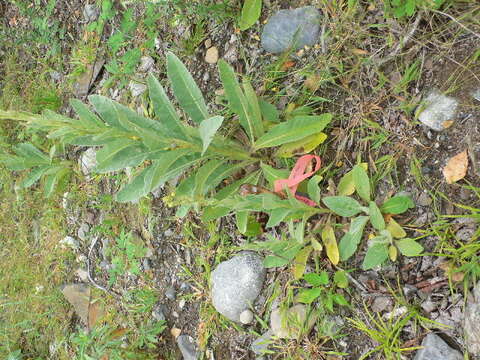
(456, 168)
(346, 186)
(395, 229)
(392, 253)
(328, 238)
(302, 146)
(300, 262)
(316, 245)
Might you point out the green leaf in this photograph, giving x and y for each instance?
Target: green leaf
(250, 13)
(340, 279)
(340, 300)
(274, 261)
(292, 130)
(349, 242)
(376, 254)
(34, 175)
(253, 108)
(106, 109)
(120, 154)
(269, 112)
(277, 216)
(164, 109)
(397, 205)
(272, 174)
(330, 242)
(242, 219)
(136, 188)
(205, 171)
(186, 90)
(342, 205)
(233, 188)
(307, 296)
(346, 186)
(361, 181)
(317, 279)
(300, 262)
(207, 129)
(313, 188)
(376, 217)
(86, 116)
(52, 179)
(31, 154)
(156, 177)
(302, 146)
(409, 247)
(238, 102)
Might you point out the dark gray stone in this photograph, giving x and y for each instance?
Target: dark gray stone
(187, 347)
(472, 322)
(434, 348)
(170, 294)
(236, 283)
(291, 28)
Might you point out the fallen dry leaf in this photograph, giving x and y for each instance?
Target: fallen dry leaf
(312, 82)
(79, 296)
(175, 332)
(359, 52)
(95, 314)
(456, 168)
(287, 65)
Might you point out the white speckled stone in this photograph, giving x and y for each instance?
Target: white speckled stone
(246, 317)
(438, 110)
(434, 348)
(472, 322)
(236, 283)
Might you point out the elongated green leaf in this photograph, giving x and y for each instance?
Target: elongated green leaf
(292, 130)
(361, 181)
(253, 108)
(186, 90)
(269, 111)
(208, 128)
(313, 188)
(164, 109)
(277, 216)
(237, 100)
(136, 188)
(52, 179)
(156, 176)
(203, 174)
(302, 146)
(31, 154)
(34, 175)
(118, 155)
(349, 242)
(233, 188)
(86, 116)
(409, 247)
(250, 13)
(342, 205)
(106, 109)
(242, 220)
(272, 174)
(376, 217)
(136, 123)
(300, 262)
(397, 205)
(221, 173)
(376, 254)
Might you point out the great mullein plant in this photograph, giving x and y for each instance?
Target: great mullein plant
(169, 145)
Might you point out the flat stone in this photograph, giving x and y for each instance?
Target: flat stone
(439, 111)
(381, 303)
(434, 348)
(187, 347)
(291, 323)
(471, 323)
(146, 64)
(170, 294)
(91, 12)
(476, 94)
(136, 89)
(211, 56)
(294, 29)
(236, 283)
(88, 161)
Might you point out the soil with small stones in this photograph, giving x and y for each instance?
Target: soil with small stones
(421, 281)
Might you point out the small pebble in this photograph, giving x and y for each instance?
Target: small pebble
(211, 55)
(246, 317)
(170, 294)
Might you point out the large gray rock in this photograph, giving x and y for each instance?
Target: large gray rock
(291, 28)
(439, 111)
(236, 283)
(187, 347)
(472, 322)
(434, 348)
